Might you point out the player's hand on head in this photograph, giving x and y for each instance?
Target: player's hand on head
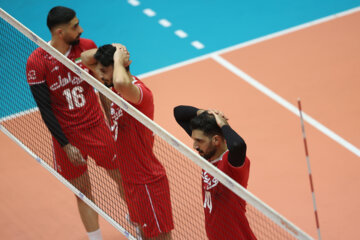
(200, 111)
(122, 54)
(218, 112)
(118, 45)
(220, 118)
(74, 155)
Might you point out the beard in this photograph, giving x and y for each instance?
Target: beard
(109, 85)
(75, 41)
(208, 154)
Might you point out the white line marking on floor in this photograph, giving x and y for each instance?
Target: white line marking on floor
(181, 34)
(149, 12)
(19, 114)
(164, 23)
(197, 44)
(256, 84)
(249, 43)
(310, 120)
(134, 3)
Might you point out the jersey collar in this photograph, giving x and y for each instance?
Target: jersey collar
(219, 158)
(68, 51)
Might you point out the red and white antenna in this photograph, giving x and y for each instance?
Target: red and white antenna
(309, 170)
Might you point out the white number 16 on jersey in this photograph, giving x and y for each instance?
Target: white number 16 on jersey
(75, 97)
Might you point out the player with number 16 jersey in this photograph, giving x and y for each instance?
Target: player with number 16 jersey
(73, 100)
(75, 106)
(71, 112)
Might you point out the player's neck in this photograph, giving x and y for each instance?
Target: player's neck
(219, 152)
(59, 45)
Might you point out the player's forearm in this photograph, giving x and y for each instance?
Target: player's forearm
(121, 79)
(42, 99)
(87, 58)
(106, 105)
(236, 146)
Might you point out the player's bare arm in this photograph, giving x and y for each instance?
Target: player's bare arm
(122, 78)
(87, 58)
(106, 102)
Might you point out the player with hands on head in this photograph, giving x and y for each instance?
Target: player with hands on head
(219, 144)
(145, 182)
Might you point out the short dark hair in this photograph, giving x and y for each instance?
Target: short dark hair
(206, 122)
(59, 15)
(105, 55)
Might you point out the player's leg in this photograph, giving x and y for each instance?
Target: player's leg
(79, 177)
(159, 193)
(116, 176)
(88, 216)
(150, 208)
(162, 236)
(101, 146)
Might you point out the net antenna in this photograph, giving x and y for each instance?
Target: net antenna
(309, 170)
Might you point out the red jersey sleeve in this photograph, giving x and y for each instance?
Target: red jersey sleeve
(146, 102)
(239, 174)
(87, 44)
(35, 68)
(92, 44)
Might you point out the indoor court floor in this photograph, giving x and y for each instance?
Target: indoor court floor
(252, 64)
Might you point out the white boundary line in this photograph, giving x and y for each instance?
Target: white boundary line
(19, 114)
(165, 23)
(256, 84)
(68, 184)
(215, 56)
(251, 42)
(222, 177)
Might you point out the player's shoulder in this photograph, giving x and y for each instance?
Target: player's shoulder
(38, 51)
(38, 54)
(86, 44)
(145, 91)
(225, 156)
(146, 102)
(138, 82)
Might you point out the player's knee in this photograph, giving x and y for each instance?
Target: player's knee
(84, 188)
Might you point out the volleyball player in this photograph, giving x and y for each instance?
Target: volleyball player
(145, 182)
(70, 110)
(218, 143)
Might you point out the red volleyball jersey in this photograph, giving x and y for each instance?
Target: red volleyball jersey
(73, 100)
(224, 210)
(135, 141)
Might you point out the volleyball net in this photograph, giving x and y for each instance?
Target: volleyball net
(21, 120)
